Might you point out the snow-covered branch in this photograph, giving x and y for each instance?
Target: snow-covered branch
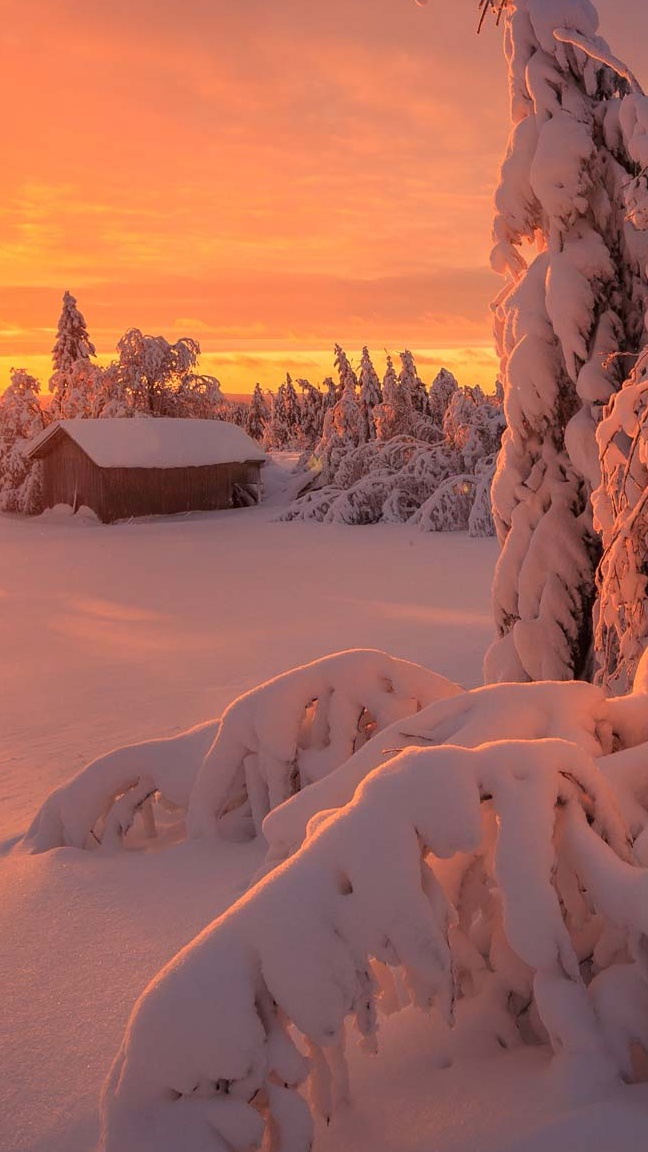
(498, 877)
(271, 742)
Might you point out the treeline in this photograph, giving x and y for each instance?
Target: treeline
(152, 377)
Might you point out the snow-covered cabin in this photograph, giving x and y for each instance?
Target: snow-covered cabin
(147, 466)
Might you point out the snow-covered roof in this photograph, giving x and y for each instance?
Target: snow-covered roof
(148, 442)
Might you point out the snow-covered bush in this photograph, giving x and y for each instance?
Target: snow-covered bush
(494, 885)
(405, 478)
(271, 742)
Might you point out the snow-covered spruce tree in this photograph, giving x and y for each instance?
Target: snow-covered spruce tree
(291, 411)
(21, 419)
(410, 380)
(394, 416)
(442, 389)
(258, 414)
(277, 430)
(343, 427)
(473, 425)
(370, 393)
(311, 413)
(558, 322)
(331, 392)
(72, 346)
(346, 375)
(343, 430)
(72, 340)
(619, 502)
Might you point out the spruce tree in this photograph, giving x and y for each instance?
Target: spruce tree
(73, 346)
(258, 414)
(291, 409)
(311, 412)
(560, 322)
(370, 393)
(347, 376)
(442, 390)
(410, 380)
(72, 340)
(395, 416)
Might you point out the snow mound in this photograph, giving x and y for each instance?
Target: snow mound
(497, 880)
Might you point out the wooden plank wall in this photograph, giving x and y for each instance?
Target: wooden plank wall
(70, 477)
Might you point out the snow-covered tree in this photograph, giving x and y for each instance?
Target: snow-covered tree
(72, 340)
(78, 391)
(559, 322)
(620, 500)
(473, 425)
(343, 428)
(278, 430)
(443, 485)
(70, 383)
(291, 406)
(258, 414)
(311, 412)
(395, 415)
(160, 379)
(410, 380)
(331, 392)
(108, 395)
(21, 419)
(370, 393)
(347, 376)
(442, 389)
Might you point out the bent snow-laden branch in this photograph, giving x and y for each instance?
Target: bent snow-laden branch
(271, 742)
(281, 737)
(573, 711)
(499, 876)
(99, 806)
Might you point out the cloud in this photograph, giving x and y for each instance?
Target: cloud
(286, 171)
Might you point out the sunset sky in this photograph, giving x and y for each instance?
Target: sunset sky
(267, 176)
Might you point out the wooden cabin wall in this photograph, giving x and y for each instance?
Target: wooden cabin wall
(70, 477)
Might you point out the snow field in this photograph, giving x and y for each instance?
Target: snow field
(136, 631)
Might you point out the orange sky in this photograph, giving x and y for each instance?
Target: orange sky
(267, 176)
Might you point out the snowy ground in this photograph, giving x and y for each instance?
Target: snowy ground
(119, 633)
